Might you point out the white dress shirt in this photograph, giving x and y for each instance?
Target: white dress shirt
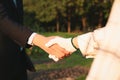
(15, 2)
(31, 38)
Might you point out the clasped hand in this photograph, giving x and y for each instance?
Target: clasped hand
(56, 50)
(63, 43)
(56, 47)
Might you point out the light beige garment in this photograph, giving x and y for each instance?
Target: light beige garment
(105, 67)
(104, 45)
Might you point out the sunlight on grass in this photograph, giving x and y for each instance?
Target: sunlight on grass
(62, 34)
(74, 60)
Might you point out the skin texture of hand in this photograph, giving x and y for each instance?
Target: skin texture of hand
(62, 42)
(56, 50)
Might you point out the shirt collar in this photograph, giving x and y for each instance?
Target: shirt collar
(15, 2)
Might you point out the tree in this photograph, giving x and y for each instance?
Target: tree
(57, 12)
(29, 15)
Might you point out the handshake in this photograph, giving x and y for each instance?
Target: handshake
(56, 47)
(66, 43)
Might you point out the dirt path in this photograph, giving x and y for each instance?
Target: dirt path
(58, 74)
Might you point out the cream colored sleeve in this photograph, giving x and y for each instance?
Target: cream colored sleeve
(89, 42)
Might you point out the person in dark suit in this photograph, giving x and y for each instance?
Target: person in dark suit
(14, 38)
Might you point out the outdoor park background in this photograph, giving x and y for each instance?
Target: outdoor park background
(66, 18)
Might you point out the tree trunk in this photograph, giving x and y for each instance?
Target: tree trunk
(69, 27)
(84, 24)
(100, 20)
(57, 26)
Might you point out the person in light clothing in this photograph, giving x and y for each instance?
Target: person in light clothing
(102, 44)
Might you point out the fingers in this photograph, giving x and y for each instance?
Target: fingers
(57, 57)
(59, 52)
(62, 42)
(53, 57)
(59, 45)
(51, 42)
(55, 49)
(59, 41)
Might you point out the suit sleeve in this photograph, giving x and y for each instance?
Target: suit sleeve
(13, 30)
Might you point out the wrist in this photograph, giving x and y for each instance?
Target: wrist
(30, 40)
(38, 40)
(74, 42)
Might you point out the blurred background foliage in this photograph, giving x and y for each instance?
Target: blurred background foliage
(66, 15)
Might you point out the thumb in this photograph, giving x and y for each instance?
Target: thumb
(51, 42)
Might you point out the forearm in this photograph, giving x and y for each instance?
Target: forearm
(85, 43)
(75, 42)
(15, 31)
(12, 29)
(39, 40)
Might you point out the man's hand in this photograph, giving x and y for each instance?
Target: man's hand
(62, 42)
(55, 50)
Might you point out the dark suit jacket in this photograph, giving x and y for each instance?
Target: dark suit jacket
(13, 36)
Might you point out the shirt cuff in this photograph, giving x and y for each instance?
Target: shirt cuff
(87, 45)
(31, 38)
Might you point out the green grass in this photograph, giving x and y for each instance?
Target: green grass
(74, 60)
(63, 34)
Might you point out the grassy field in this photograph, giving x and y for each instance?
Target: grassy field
(42, 62)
